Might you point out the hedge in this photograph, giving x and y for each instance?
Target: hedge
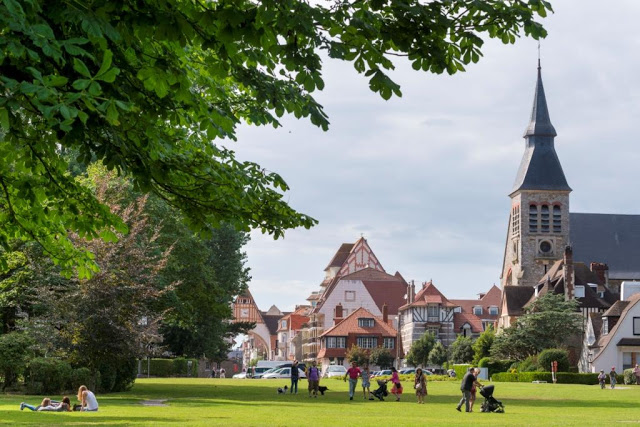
(461, 369)
(562, 377)
(48, 376)
(170, 367)
(495, 365)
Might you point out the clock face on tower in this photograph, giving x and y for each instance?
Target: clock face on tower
(244, 312)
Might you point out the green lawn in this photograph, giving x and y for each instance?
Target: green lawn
(255, 402)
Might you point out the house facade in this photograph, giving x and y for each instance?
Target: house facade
(289, 327)
(361, 328)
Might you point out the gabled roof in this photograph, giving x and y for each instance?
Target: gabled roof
(429, 294)
(540, 167)
(596, 323)
(607, 238)
(341, 256)
(604, 340)
(490, 299)
(616, 309)
(349, 325)
(271, 321)
(516, 297)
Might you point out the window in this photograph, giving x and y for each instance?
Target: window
(605, 325)
(636, 326)
(367, 342)
(389, 343)
(433, 311)
(544, 218)
(284, 323)
(433, 330)
(515, 225)
(365, 322)
(349, 295)
(486, 324)
(579, 292)
(336, 342)
(533, 219)
(466, 330)
(477, 310)
(457, 310)
(557, 219)
(493, 310)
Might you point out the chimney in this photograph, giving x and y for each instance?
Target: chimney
(411, 292)
(338, 314)
(385, 313)
(568, 273)
(600, 269)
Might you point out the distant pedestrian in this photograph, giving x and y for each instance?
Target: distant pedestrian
(467, 384)
(313, 378)
(420, 384)
(294, 377)
(366, 382)
(613, 377)
(353, 373)
(396, 390)
(636, 372)
(602, 378)
(213, 372)
(222, 373)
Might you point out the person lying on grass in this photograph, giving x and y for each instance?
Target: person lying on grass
(49, 405)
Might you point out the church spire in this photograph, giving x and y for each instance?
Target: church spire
(540, 167)
(540, 123)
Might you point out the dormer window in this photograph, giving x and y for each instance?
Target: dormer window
(457, 310)
(579, 291)
(365, 322)
(284, 323)
(477, 310)
(493, 310)
(605, 325)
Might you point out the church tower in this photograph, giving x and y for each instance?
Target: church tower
(538, 229)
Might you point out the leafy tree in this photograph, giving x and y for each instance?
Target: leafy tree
(462, 350)
(546, 357)
(145, 88)
(438, 354)
(15, 352)
(358, 355)
(382, 357)
(549, 322)
(419, 352)
(482, 346)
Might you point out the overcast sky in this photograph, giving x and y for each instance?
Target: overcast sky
(426, 177)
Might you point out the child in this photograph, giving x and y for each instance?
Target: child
(602, 378)
(366, 376)
(397, 387)
(612, 377)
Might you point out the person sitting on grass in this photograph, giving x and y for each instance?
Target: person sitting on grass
(88, 400)
(48, 405)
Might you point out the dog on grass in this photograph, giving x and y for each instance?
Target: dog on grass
(322, 389)
(282, 390)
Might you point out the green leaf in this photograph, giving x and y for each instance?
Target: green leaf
(4, 119)
(106, 62)
(109, 76)
(81, 68)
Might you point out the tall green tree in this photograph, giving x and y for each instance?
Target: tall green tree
(147, 88)
(419, 352)
(461, 350)
(549, 322)
(381, 357)
(482, 345)
(438, 354)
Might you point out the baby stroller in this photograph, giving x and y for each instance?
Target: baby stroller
(381, 391)
(490, 404)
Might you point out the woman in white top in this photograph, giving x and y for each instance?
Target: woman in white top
(88, 399)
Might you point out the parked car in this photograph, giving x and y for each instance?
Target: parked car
(282, 373)
(259, 372)
(241, 375)
(335, 371)
(406, 371)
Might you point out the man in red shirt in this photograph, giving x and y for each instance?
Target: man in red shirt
(353, 372)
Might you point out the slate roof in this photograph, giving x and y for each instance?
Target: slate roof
(341, 256)
(616, 309)
(516, 297)
(540, 167)
(629, 342)
(349, 325)
(596, 322)
(271, 321)
(608, 238)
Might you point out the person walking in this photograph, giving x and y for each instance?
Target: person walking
(467, 384)
(222, 373)
(613, 377)
(294, 377)
(420, 384)
(353, 372)
(474, 389)
(366, 382)
(636, 372)
(313, 378)
(602, 378)
(396, 390)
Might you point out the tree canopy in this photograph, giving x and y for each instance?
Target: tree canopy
(147, 88)
(420, 349)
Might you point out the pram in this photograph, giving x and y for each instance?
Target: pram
(490, 404)
(381, 391)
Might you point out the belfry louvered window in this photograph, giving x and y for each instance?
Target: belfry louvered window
(533, 219)
(557, 219)
(544, 218)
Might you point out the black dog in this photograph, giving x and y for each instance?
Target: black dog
(322, 389)
(282, 390)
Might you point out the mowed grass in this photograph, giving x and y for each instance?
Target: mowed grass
(229, 402)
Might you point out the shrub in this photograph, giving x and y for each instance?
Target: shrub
(461, 370)
(181, 367)
(82, 376)
(15, 352)
(108, 376)
(530, 364)
(48, 376)
(629, 376)
(554, 354)
(494, 365)
(158, 367)
(126, 372)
